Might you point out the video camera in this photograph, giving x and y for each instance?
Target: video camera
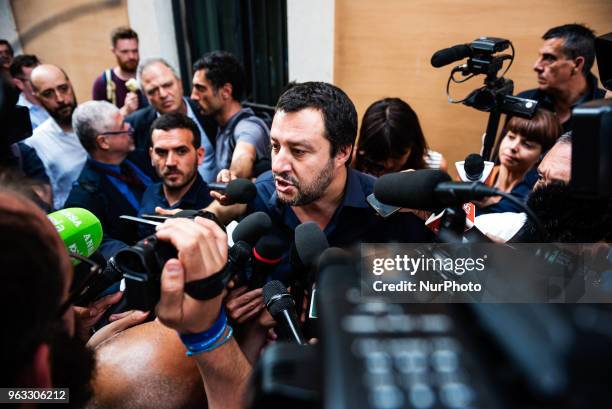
(142, 264)
(495, 96)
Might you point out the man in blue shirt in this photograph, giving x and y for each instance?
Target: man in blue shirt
(176, 153)
(109, 185)
(312, 137)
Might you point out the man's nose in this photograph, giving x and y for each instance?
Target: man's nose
(537, 66)
(281, 162)
(171, 159)
(194, 94)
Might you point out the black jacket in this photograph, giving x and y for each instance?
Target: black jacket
(95, 192)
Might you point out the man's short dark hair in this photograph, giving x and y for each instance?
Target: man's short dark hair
(123, 33)
(8, 45)
(579, 41)
(339, 113)
(176, 120)
(21, 61)
(222, 68)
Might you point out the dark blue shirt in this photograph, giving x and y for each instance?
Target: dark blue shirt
(521, 191)
(196, 198)
(547, 101)
(353, 222)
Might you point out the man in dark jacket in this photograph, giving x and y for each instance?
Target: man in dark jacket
(109, 185)
(162, 87)
(564, 71)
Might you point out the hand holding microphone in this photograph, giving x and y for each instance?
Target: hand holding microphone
(231, 190)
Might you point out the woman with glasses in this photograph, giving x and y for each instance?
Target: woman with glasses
(391, 140)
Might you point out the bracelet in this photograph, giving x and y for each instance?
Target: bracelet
(203, 340)
(215, 346)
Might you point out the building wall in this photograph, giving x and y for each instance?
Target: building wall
(73, 34)
(383, 48)
(310, 40)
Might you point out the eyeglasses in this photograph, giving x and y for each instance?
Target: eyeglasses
(94, 270)
(129, 131)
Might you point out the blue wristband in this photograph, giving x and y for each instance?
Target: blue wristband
(215, 346)
(202, 340)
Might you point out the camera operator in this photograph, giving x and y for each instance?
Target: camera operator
(564, 71)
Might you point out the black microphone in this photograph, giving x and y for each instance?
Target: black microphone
(474, 166)
(267, 255)
(282, 308)
(238, 261)
(310, 242)
(252, 227)
(449, 55)
(427, 189)
(237, 190)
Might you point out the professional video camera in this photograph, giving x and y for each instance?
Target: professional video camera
(141, 266)
(495, 96)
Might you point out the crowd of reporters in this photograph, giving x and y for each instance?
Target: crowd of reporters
(152, 151)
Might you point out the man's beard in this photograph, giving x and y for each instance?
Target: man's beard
(61, 119)
(72, 366)
(568, 218)
(128, 66)
(187, 181)
(307, 194)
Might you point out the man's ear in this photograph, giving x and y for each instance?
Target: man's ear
(579, 64)
(200, 154)
(343, 154)
(226, 91)
(38, 374)
(101, 142)
(151, 156)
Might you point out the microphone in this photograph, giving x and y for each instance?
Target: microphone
(474, 168)
(282, 308)
(428, 189)
(310, 242)
(79, 229)
(237, 190)
(245, 236)
(252, 227)
(267, 255)
(449, 55)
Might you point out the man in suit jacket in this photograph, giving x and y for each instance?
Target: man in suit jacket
(109, 184)
(162, 87)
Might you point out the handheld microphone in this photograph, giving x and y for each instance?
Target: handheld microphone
(474, 168)
(267, 255)
(450, 55)
(252, 227)
(237, 190)
(282, 308)
(79, 229)
(310, 242)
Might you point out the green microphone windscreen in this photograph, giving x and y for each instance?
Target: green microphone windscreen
(79, 229)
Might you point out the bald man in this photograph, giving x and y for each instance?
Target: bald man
(54, 140)
(143, 367)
